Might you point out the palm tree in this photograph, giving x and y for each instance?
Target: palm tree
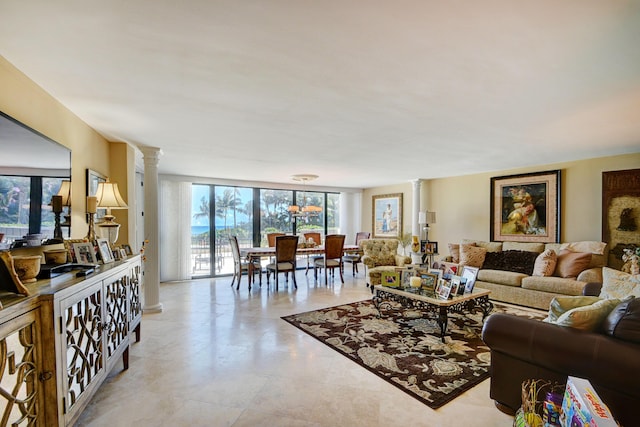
(203, 209)
(228, 200)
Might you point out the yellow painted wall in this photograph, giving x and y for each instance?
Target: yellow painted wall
(28, 103)
(462, 203)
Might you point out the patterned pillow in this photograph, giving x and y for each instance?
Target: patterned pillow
(472, 256)
(570, 264)
(617, 284)
(545, 263)
(454, 251)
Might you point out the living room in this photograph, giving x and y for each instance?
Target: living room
(461, 201)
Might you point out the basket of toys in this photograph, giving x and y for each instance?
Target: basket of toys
(541, 404)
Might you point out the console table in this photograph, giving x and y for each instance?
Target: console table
(424, 300)
(58, 344)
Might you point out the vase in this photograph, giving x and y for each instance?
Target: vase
(415, 244)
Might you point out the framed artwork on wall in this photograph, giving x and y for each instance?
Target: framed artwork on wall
(526, 207)
(620, 213)
(387, 215)
(93, 179)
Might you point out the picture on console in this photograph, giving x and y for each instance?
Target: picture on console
(526, 207)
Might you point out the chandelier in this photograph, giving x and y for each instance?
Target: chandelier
(304, 211)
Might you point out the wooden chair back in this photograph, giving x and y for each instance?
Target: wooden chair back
(235, 248)
(334, 246)
(317, 237)
(286, 247)
(271, 238)
(362, 235)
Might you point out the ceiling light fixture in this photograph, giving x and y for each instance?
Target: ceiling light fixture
(304, 211)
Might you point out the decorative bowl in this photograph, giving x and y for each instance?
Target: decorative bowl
(27, 267)
(55, 256)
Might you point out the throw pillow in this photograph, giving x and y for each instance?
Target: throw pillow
(588, 317)
(545, 263)
(472, 256)
(570, 264)
(560, 305)
(454, 251)
(624, 321)
(617, 284)
(515, 261)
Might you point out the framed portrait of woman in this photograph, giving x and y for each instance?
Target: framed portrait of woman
(387, 215)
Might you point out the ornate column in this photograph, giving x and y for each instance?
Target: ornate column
(151, 156)
(415, 227)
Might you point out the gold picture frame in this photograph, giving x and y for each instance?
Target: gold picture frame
(387, 215)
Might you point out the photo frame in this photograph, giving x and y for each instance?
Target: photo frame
(456, 282)
(444, 289)
(105, 251)
(127, 249)
(84, 253)
(428, 281)
(387, 215)
(526, 207)
(390, 279)
(471, 274)
(93, 179)
(405, 277)
(428, 247)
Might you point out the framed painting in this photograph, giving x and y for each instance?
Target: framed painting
(93, 179)
(526, 207)
(387, 215)
(620, 213)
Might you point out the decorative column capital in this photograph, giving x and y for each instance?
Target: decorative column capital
(151, 155)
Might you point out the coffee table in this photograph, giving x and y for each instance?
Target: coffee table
(478, 300)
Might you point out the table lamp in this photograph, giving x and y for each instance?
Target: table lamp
(108, 197)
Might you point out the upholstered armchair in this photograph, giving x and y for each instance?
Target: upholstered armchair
(381, 255)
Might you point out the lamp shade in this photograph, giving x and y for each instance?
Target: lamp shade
(422, 217)
(108, 196)
(431, 217)
(65, 192)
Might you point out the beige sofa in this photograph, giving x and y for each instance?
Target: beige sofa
(381, 255)
(529, 290)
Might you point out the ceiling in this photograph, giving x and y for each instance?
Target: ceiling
(361, 93)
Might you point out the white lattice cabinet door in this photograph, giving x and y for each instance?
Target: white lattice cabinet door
(21, 375)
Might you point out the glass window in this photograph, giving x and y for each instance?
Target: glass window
(274, 214)
(333, 213)
(200, 227)
(233, 211)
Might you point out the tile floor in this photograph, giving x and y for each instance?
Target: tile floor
(220, 357)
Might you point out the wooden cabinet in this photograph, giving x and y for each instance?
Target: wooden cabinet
(70, 334)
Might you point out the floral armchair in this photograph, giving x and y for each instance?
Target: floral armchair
(381, 255)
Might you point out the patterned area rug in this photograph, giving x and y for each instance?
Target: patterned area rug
(405, 349)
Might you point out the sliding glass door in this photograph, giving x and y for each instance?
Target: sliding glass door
(219, 212)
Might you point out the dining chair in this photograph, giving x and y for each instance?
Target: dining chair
(285, 258)
(271, 238)
(240, 265)
(317, 238)
(355, 257)
(332, 259)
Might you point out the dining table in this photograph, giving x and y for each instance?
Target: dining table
(252, 253)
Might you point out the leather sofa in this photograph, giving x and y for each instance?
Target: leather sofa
(524, 349)
(518, 287)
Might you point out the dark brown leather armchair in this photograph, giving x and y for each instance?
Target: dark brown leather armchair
(530, 349)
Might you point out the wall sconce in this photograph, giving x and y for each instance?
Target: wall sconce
(108, 197)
